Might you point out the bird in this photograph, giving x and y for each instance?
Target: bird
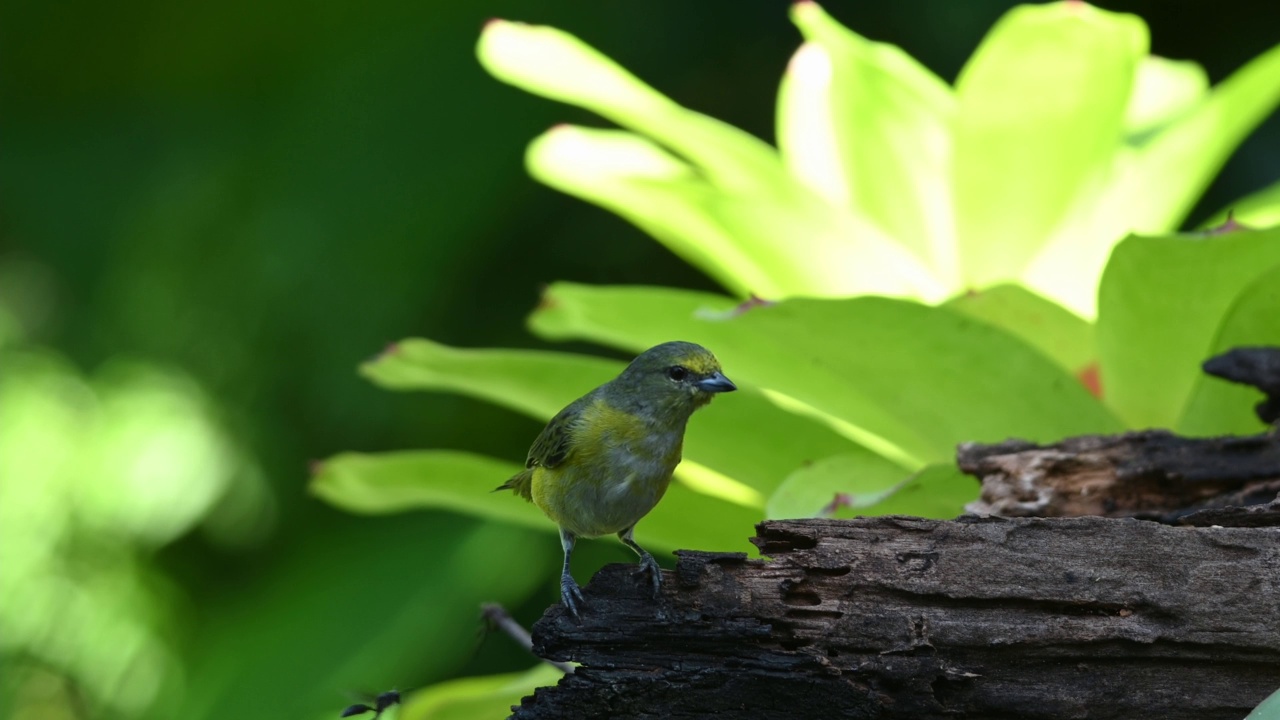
(604, 461)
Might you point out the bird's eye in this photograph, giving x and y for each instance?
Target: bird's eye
(677, 373)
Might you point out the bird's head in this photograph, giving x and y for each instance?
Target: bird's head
(674, 376)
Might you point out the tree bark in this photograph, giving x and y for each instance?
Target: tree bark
(899, 617)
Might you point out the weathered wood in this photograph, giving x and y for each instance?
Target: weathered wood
(897, 617)
(1152, 474)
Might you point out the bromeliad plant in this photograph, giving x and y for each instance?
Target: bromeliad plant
(915, 265)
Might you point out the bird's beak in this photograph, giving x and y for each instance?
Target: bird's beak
(716, 382)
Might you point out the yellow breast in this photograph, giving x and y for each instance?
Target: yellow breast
(616, 471)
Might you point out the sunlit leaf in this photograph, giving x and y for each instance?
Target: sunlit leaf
(1178, 163)
(1048, 327)
(777, 242)
(554, 64)
(1216, 406)
(1163, 90)
(441, 479)
(920, 379)
(477, 698)
(1159, 307)
(867, 127)
(938, 491)
(742, 436)
(655, 191)
(1024, 155)
(1154, 183)
(1260, 210)
(463, 482)
(854, 480)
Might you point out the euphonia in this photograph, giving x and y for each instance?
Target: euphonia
(604, 462)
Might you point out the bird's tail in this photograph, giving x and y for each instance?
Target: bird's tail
(521, 484)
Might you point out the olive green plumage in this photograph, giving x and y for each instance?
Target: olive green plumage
(605, 461)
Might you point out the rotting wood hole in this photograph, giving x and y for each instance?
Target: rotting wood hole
(828, 572)
(800, 597)
(795, 643)
(804, 614)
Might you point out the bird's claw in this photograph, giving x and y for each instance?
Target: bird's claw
(571, 595)
(650, 566)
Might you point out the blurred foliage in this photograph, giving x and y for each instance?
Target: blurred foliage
(210, 213)
(998, 197)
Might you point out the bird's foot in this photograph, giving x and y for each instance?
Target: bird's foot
(571, 595)
(650, 566)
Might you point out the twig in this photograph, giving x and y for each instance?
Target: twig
(499, 617)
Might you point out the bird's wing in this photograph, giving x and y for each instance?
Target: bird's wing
(554, 442)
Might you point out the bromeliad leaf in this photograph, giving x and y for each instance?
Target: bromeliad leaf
(1060, 334)
(916, 379)
(868, 128)
(852, 480)
(1172, 292)
(463, 482)
(938, 491)
(1259, 211)
(489, 696)
(1215, 405)
(1008, 130)
(749, 439)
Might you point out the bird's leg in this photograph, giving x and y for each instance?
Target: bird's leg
(647, 563)
(570, 593)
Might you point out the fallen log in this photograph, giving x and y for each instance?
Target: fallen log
(982, 616)
(896, 617)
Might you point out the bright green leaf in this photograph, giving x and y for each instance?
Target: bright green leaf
(653, 190)
(463, 482)
(742, 436)
(1163, 90)
(785, 240)
(477, 698)
(1160, 304)
(867, 126)
(736, 237)
(1260, 210)
(554, 64)
(860, 479)
(1178, 163)
(1218, 407)
(1154, 184)
(1048, 327)
(939, 491)
(1023, 155)
(441, 479)
(919, 379)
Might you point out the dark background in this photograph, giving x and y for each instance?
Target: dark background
(262, 194)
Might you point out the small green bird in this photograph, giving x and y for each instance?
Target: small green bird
(605, 461)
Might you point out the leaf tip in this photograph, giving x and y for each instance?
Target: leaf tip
(1230, 225)
(1090, 376)
(841, 500)
(753, 301)
(805, 7)
(811, 64)
(545, 299)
